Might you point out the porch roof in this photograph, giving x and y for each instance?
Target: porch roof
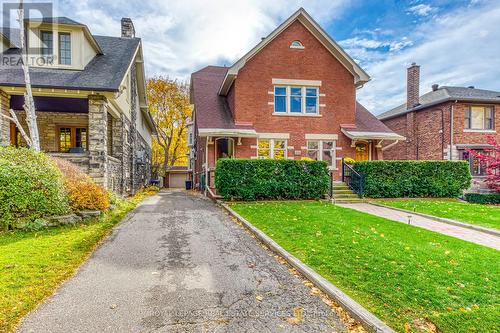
(368, 127)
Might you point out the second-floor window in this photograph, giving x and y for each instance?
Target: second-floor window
(296, 100)
(64, 48)
(47, 38)
(479, 118)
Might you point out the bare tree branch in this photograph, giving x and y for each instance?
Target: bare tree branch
(15, 120)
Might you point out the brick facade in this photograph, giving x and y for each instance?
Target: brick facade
(428, 132)
(251, 97)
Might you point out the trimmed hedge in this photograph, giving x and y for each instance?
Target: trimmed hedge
(247, 179)
(396, 179)
(31, 187)
(483, 198)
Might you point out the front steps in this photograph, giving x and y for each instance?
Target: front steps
(341, 193)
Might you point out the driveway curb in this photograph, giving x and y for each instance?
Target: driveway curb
(369, 321)
(443, 220)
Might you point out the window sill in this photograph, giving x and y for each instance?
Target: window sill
(479, 131)
(297, 114)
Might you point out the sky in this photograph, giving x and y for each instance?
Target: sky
(456, 42)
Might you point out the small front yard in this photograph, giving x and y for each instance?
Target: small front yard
(400, 273)
(483, 215)
(34, 264)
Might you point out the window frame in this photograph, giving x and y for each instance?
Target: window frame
(271, 148)
(468, 117)
(43, 45)
(320, 150)
(60, 49)
(303, 100)
(73, 129)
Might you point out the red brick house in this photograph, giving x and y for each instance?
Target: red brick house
(292, 96)
(443, 123)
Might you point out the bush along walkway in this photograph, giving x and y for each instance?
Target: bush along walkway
(34, 264)
(463, 233)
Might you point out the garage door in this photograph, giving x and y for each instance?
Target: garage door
(177, 180)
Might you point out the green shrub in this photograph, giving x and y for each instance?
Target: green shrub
(247, 179)
(31, 187)
(483, 198)
(396, 179)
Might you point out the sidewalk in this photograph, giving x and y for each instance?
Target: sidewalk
(466, 234)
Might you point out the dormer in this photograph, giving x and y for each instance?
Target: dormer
(59, 42)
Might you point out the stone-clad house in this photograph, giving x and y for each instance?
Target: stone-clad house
(444, 123)
(292, 96)
(90, 97)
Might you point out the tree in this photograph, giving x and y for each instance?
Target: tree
(33, 140)
(491, 159)
(169, 105)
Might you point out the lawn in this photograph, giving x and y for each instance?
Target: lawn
(483, 215)
(400, 273)
(34, 264)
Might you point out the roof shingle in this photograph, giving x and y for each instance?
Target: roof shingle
(443, 94)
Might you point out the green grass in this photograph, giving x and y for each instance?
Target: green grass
(483, 215)
(34, 264)
(398, 272)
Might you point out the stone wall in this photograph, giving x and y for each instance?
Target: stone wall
(48, 123)
(4, 123)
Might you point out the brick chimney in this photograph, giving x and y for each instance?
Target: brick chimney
(128, 29)
(412, 86)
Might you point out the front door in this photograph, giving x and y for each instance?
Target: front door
(362, 152)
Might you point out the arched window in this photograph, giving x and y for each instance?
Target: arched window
(296, 44)
(224, 148)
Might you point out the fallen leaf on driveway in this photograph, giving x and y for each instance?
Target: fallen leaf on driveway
(259, 298)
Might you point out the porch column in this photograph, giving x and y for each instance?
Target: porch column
(119, 144)
(97, 136)
(4, 123)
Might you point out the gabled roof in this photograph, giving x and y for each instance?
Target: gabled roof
(103, 73)
(444, 94)
(360, 76)
(212, 110)
(12, 35)
(369, 127)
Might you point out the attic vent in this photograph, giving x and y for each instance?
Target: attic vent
(470, 87)
(296, 45)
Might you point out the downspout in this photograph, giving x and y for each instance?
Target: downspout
(451, 129)
(206, 165)
(442, 133)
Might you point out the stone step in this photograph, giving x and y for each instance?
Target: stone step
(342, 191)
(348, 200)
(345, 195)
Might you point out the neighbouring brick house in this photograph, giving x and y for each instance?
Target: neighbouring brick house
(444, 123)
(90, 98)
(292, 96)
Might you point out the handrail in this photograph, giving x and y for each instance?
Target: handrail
(353, 179)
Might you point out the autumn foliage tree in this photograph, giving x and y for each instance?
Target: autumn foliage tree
(169, 105)
(491, 159)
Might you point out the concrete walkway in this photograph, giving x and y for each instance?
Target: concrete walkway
(466, 234)
(179, 264)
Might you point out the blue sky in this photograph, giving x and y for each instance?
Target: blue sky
(457, 42)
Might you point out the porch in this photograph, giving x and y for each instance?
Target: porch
(83, 130)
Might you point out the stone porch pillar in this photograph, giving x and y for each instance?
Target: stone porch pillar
(4, 123)
(119, 137)
(97, 136)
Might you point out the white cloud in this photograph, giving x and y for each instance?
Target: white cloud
(422, 9)
(460, 48)
(181, 36)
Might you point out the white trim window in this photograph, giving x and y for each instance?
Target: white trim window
(479, 117)
(296, 100)
(323, 150)
(272, 148)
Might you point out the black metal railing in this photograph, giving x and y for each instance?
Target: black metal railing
(353, 179)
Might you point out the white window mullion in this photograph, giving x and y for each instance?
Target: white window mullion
(271, 148)
(334, 155)
(320, 150)
(288, 99)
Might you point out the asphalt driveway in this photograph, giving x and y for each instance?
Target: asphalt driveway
(179, 264)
